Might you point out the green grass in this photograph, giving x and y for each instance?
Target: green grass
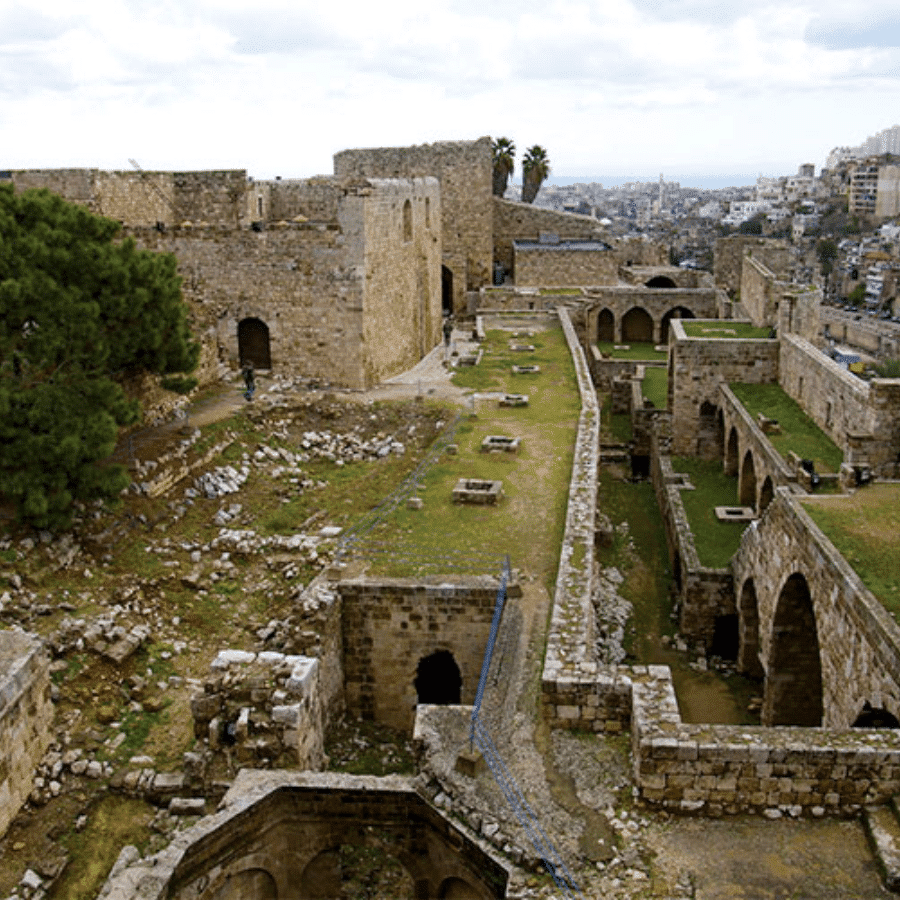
(560, 291)
(716, 541)
(529, 521)
(635, 350)
(798, 432)
(639, 551)
(725, 329)
(616, 427)
(865, 528)
(655, 386)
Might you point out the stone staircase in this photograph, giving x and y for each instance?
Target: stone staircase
(882, 824)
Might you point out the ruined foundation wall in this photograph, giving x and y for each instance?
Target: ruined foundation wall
(699, 365)
(390, 626)
(843, 405)
(26, 718)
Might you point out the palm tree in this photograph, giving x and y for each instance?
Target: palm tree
(535, 169)
(504, 163)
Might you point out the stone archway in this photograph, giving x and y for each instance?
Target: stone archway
(793, 694)
(747, 486)
(253, 343)
(660, 281)
(678, 312)
(748, 632)
(457, 889)
(871, 717)
(606, 326)
(341, 871)
(709, 438)
(438, 679)
(731, 454)
(766, 494)
(637, 326)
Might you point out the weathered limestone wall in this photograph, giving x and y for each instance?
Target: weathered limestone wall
(697, 366)
(862, 418)
(564, 264)
(619, 300)
(26, 718)
(145, 198)
(864, 334)
(390, 626)
(761, 291)
(570, 690)
(715, 769)
(859, 643)
(464, 170)
(704, 594)
(729, 257)
(402, 287)
(522, 221)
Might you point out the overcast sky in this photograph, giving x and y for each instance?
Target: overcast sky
(699, 90)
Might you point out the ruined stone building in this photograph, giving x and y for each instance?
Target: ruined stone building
(345, 278)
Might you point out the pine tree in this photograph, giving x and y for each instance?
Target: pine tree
(79, 309)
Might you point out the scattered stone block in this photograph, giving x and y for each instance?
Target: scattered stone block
(514, 400)
(526, 370)
(470, 763)
(415, 503)
(498, 443)
(477, 491)
(735, 513)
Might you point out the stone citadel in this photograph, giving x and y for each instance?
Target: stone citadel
(345, 279)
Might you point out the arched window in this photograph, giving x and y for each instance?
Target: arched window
(407, 221)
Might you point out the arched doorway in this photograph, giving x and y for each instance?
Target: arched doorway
(871, 717)
(660, 281)
(606, 326)
(446, 291)
(637, 326)
(438, 680)
(747, 486)
(253, 343)
(793, 693)
(679, 312)
(457, 889)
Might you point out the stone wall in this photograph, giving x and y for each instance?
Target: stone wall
(262, 709)
(730, 253)
(464, 170)
(570, 694)
(26, 718)
(862, 418)
(390, 626)
(761, 291)
(276, 835)
(658, 303)
(716, 769)
(522, 221)
(140, 198)
(697, 366)
(563, 264)
(863, 334)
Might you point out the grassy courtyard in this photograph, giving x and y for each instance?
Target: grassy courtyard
(865, 528)
(798, 431)
(724, 329)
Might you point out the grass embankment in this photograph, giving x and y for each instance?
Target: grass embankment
(865, 528)
(798, 432)
(728, 330)
(637, 350)
(716, 542)
(528, 523)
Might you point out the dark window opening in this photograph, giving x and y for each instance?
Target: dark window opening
(438, 680)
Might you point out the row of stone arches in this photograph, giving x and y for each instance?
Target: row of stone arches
(792, 673)
(637, 325)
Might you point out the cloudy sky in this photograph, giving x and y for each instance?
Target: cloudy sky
(701, 90)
